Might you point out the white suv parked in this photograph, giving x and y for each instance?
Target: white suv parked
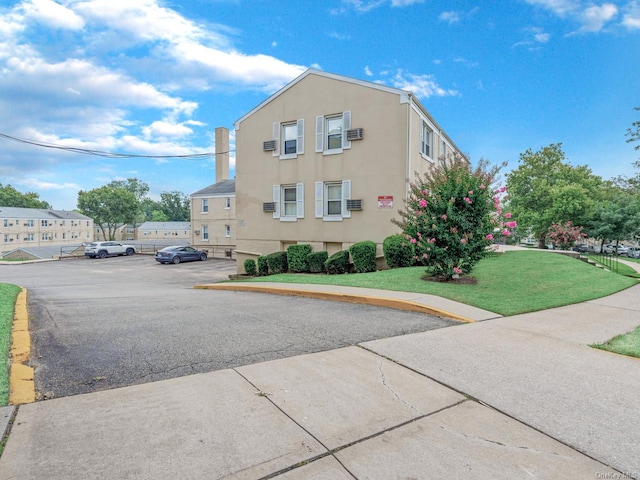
(108, 249)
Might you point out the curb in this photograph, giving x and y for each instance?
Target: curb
(21, 376)
(341, 297)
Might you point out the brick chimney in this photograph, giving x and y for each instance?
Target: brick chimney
(222, 154)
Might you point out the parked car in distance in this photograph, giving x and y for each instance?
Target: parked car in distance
(179, 253)
(611, 249)
(108, 249)
(633, 252)
(582, 248)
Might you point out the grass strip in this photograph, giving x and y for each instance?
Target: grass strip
(626, 344)
(8, 294)
(510, 283)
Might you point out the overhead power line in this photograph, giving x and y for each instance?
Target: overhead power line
(100, 153)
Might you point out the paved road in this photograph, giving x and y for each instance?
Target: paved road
(100, 324)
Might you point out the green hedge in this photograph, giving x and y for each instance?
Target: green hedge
(398, 251)
(338, 262)
(363, 255)
(297, 257)
(263, 266)
(250, 266)
(317, 261)
(277, 262)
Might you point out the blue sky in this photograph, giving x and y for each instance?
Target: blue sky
(155, 77)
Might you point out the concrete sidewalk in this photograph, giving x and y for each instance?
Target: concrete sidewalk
(517, 397)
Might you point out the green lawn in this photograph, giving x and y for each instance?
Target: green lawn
(627, 344)
(8, 294)
(510, 283)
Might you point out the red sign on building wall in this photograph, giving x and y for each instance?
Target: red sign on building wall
(385, 201)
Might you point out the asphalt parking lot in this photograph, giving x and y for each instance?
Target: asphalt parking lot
(100, 324)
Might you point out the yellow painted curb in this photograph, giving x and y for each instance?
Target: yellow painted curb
(341, 297)
(21, 376)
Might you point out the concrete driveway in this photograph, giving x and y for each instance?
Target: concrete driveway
(101, 324)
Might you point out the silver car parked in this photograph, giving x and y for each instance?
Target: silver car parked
(108, 249)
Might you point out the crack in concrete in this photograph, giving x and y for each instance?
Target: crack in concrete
(391, 390)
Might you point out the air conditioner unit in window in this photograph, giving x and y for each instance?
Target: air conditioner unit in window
(269, 207)
(269, 146)
(355, 134)
(197, 232)
(354, 204)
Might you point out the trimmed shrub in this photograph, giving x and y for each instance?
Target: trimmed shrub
(363, 255)
(250, 267)
(398, 251)
(317, 261)
(338, 263)
(277, 262)
(297, 257)
(263, 266)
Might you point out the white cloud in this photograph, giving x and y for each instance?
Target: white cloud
(367, 71)
(535, 37)
(595, 17)
(423, 86)
(631, 18)
(591, 17)
(41, 185)
(166, 129)
(368, 5)
(52, 14)
(449, 17)
(404, 3)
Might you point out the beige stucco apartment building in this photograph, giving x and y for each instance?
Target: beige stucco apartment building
(327, 160)
(35, 227)
(213, 208)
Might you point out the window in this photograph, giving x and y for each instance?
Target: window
(227, 203)
(331, 200)
(205, 205)
(289, 139)
(426, 139)
(289, 202)
(6, 238)
(44, 223)
(330, 133)
(205, 233)
(6, 223)
(30, 223)
(227, 231)
(29, 237)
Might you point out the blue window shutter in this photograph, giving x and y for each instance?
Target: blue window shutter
(300, 140)
(319, 133)
(300, 200)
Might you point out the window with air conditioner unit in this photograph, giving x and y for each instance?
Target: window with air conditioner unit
(331, 131)
(288, 139)
(288, 202)
(331, 200)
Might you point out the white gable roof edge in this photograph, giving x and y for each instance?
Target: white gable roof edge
(404, 95)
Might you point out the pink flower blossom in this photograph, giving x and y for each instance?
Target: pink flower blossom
(482, 186)
(463, 240)
(423, 202)
(444, 217)
(468, 200)
(413, 240)
(457, 270)
(510, 224)
(503, 189)
(489, 237)
(507, 215)
(470, 192)
(506, 232)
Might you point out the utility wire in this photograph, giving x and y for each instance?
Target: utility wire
(99, 153)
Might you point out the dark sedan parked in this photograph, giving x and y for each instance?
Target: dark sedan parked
(179, 254)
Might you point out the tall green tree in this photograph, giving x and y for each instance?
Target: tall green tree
(10, 197)
(634, 132)
(109, 206)
(615, 216)
(176, 206)
(545, 189)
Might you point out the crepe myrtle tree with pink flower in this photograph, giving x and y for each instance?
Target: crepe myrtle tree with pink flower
(564, 235)
(453, 215)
